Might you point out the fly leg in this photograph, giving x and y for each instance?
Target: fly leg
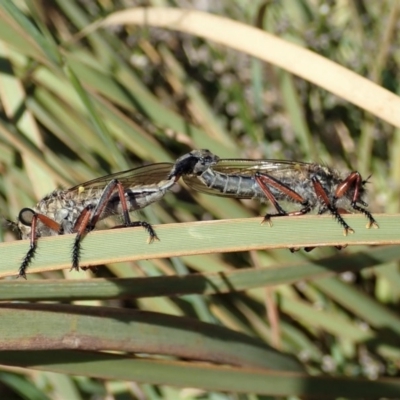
(354, 181)
(265, 182)
(329, 206)
(30, 218)
(81, 227)
(91, 215)
(127, 218)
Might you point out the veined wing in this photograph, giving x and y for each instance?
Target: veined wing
(248, 167)
(141, 176)
(234, 169)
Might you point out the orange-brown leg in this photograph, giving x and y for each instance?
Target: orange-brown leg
(265, 182)
(91, 215)
(32, 220)
(125, 212)
(354, 181)
(320, 192)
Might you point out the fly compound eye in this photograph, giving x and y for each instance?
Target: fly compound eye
(25, 216)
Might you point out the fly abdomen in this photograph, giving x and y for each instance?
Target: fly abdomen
(137, 198)
(237, 185)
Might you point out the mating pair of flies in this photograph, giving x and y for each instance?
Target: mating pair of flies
(78, 209)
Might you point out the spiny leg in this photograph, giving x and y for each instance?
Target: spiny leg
(105, 197)
(264, 181)
(80, 228)
(127, 218)
(88, 219)
(91, 215)
(371, 219)
(152, 234)
(321, 194)
(355, 181)
(31, 220)
(32, 249)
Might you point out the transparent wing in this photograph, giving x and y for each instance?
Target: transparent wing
(194, 183)
(246, 168)
(145, 175)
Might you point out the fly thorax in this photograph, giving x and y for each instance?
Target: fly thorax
(61, 214)
(66, 218)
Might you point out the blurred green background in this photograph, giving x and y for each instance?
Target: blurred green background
(75, 107)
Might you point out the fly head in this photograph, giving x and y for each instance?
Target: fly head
(193, 163)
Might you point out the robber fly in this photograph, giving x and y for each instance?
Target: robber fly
(78, 209)
(311, 186)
